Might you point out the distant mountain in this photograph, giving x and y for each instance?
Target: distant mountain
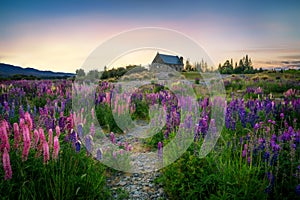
(7, 70)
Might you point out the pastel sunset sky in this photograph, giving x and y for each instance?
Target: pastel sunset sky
(60, 35)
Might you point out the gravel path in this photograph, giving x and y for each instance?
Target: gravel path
(137, 185)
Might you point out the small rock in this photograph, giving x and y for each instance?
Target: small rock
(122, 183)
(161, 191)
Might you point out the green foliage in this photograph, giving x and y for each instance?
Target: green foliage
(72, 176)
(153, 141)
(244, 67)
(80, 72)
(141, 111)
(106, 118)
(93, 74)
(188, 66)
(118, 72)
(122, 194)
(220, 175)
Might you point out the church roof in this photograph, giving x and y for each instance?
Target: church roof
(169, 59)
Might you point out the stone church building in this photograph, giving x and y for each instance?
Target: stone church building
(174, 62)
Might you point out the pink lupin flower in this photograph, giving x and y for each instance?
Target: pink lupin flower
(17, 136)
(5, 124)
(4, 138)
(28, 120)
(46, 152)
(119, 110)
(22, 123)
(112, 138)
(123, 108)
(57, 130)
(129, 147)
(50, 138)
(6, 165)
(26, 139)
(74, 117)
(93, 113)
(92, 129)
(42, 135)
(36, 137)
(114, 154)
(55, 148)
(108, 97)
(125, 144)
(70, 122)
(42, 139)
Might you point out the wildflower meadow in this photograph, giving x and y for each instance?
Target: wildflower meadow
(50, 149)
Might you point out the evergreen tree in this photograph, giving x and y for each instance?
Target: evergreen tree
(188, 66)
(80, 72)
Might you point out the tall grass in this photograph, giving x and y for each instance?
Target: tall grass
(72, 176)
(222, 174)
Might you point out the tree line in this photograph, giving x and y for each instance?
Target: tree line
(243, 67)
(109, 73)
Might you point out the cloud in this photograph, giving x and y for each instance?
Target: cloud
(291, 62)
(271, 50)
(291, 57)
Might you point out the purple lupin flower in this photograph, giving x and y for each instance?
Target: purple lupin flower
(77, 146)
(256, 127)
(34, 110)
(166, 133)
(112, 138)
(273, 160)
(249, 160)
(80, 130)
(160, 150)
(271, 178)
(61, 122)
(297, 190)
(99, 154)
(241, 140)
(21, 112)
(89, 144)
(244, 153)
(73, 137)
(92, 129)
(266, 156)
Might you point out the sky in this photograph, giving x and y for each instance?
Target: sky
(60, 35)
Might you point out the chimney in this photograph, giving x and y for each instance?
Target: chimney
(181, 59)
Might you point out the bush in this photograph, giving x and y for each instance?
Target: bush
(106, 118)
